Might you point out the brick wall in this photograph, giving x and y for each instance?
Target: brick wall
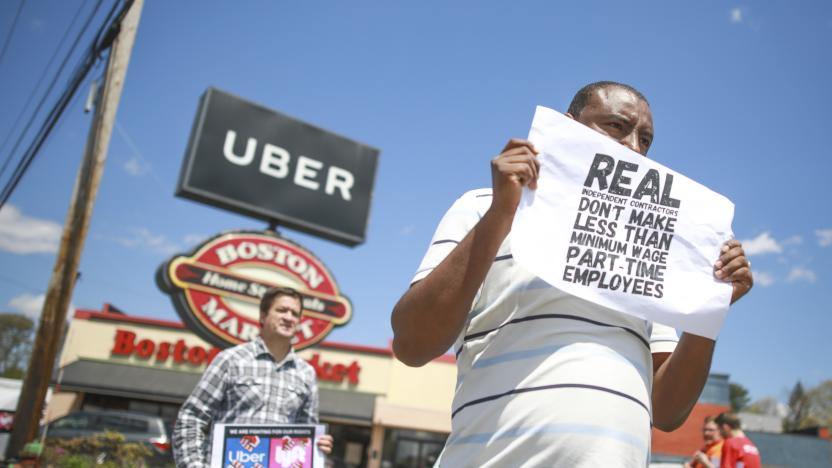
(688, 438)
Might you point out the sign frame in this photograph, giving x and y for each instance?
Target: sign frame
(183, 278)
(363, 155)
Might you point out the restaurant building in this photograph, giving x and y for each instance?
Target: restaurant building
(381, 412)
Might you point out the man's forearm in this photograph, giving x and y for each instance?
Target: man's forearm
(430, 315)
(679, 381)
(188, 442)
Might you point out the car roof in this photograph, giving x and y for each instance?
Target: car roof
(131, 414)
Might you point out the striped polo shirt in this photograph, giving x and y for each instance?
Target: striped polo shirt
(544, 378)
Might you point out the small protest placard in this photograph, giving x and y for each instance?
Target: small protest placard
(266, 446)
(610, 226)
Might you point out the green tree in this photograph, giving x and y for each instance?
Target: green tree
(739, 397)
(798, 416)
(820, 403)
(15, 344)
(767, 406)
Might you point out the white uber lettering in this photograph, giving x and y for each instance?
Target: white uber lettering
(341, 179)
(307, 167)
(228, 149)
(275, 161)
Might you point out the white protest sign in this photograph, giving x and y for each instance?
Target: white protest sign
(610, 226)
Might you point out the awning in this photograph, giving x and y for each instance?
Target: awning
(146, 383)
(346, 406)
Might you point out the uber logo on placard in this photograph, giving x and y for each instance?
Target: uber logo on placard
(258, 162)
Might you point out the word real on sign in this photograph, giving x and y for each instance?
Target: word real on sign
(252, 160)
(216, 289)
(613, 227)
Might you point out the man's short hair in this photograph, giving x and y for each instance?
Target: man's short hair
(729, 418)
(583, 95)
(273, 293)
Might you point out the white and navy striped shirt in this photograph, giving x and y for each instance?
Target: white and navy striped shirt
(544, 378)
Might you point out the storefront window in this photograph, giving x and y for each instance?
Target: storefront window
(411, 449)
(351, 442)
(167, 411)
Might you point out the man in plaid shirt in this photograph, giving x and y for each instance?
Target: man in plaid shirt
(262, 381)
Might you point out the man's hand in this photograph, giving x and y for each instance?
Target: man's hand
(733, 266)
(515, 167)
(702, 459)
(431, 314)
(324, 443)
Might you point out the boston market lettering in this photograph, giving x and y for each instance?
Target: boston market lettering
(217, 289)
(126, 343)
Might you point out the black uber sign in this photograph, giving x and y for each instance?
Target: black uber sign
(246, 158)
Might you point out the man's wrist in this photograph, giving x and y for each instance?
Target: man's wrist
(499, 219)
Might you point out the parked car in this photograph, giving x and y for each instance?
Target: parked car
(136, 427)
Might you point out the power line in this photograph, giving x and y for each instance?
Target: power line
(49, 89)
(11, 31)
(106, 33)
(35, 89)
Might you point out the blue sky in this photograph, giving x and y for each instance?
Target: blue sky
(740, 96)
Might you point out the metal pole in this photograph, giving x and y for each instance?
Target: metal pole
(59, 293)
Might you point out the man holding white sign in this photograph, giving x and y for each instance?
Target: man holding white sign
(559, 376)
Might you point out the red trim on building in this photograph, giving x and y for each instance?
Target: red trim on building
(96, 315)
(688, 438)
(86, 314)
(356, 348)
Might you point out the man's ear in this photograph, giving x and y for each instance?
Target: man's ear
(570, 116)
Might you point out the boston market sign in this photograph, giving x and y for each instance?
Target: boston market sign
(216, 290)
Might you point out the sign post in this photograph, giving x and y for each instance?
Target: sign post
(59, 291)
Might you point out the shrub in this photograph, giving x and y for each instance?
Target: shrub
(106, 450)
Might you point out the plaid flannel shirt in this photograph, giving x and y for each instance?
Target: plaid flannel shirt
(244, 385)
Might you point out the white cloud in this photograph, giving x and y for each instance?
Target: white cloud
(31, 305)
(801, 274)
(193, 239)
(21, 234)
(763, 279)
(736, 15)
(761, 245)
(793, 240)
(824, 237)
(407, 230)
(142, 238)
(135, 167)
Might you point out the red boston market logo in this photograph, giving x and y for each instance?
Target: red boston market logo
(217, 289)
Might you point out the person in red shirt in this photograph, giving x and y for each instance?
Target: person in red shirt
(709, 455)
(737, 451)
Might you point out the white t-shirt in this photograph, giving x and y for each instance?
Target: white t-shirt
(544, 378)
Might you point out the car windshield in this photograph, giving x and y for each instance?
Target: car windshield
(123, 424)
(74, 421)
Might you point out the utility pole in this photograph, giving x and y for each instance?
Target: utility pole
(59, 292)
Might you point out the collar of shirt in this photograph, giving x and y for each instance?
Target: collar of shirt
(261, 350)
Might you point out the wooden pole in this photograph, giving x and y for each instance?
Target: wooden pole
(59, 293)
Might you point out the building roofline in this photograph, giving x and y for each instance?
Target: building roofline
(106, 315)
